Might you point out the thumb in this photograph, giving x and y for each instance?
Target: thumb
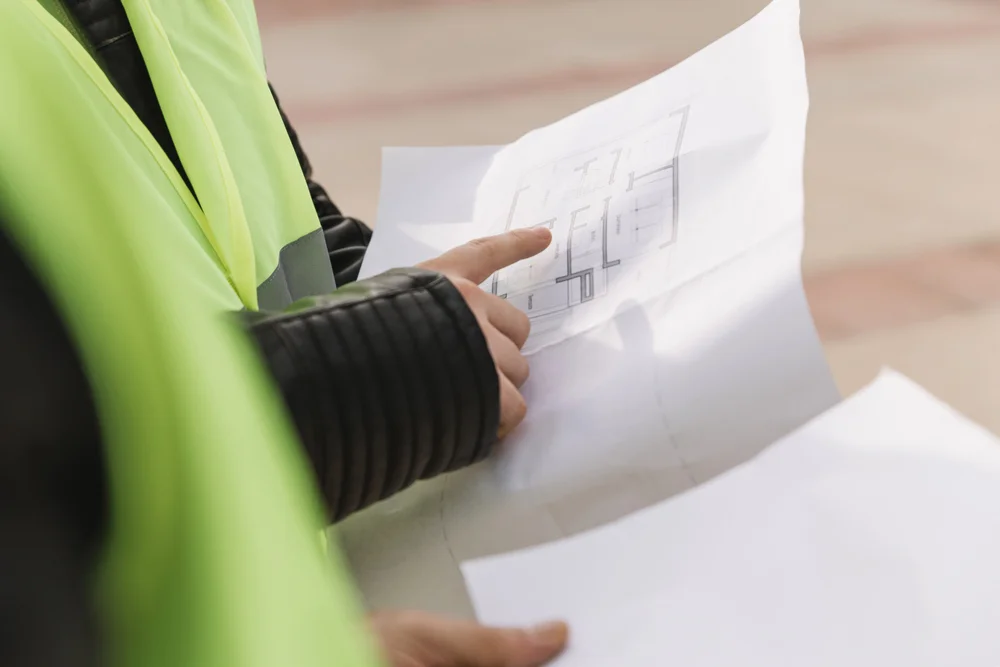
(477, 260)
(500, 647)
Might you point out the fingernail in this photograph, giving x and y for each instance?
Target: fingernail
(542, 232)
(550, 635)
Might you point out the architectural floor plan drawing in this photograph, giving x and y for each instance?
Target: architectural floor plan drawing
(671, 341)
(605, 207)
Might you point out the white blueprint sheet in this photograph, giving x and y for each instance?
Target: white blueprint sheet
(671, 336)
(870, 537)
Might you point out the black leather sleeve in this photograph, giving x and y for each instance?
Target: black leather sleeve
(346, 238)
(388, 380)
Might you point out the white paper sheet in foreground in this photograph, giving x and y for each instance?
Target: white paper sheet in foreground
(671, 336)
(871, 537)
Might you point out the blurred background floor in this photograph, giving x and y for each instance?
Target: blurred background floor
(902, 256)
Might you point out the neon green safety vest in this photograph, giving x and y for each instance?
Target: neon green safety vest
(212, 558)
(255, 213)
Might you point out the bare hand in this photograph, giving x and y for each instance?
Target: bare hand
(414, 639)
(505, 327)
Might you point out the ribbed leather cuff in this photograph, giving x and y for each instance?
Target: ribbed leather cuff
(389, 380)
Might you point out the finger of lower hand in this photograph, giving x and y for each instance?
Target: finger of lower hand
(507, 356)
(510, 321)
(512, 406)
(478, 646)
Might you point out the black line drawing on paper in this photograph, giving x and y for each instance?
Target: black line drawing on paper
(606, 207)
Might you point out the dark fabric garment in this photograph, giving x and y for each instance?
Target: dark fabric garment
(346, 237)
(52, 495)
(107, 26)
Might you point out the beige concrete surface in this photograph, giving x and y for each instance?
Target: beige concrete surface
(904, 96)
(957, 357)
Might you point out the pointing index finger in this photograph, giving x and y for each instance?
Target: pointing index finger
(477, 260)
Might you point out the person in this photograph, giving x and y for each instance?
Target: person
(151, 498)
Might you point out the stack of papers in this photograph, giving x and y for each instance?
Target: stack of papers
(672, 343)
(671, 338)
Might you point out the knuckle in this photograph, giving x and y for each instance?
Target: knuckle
(523, 324)
(485, 247)
(516, 408)
(467, 288)
(432, 265)
(522, 236)
(497, 646)
(462, 284)
(521, 407)
(517, 315)
(522, 370)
